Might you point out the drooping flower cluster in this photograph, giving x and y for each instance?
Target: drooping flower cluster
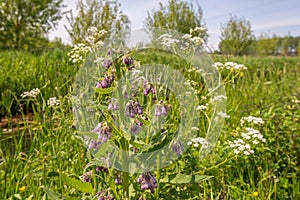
(148, 88)
(178, 148)
(133, 108)
(249, 136)
(32, 93)
(87, 177)
(104, 133)
(106, 81)
(136, 127)
(107, 63)
(53, 102)
(113, 105)
(196, 142)
(162, 109)
(229, 66)
(118, 180)
(127, 60)
(104, 195)
(101, 169)
(147, 181)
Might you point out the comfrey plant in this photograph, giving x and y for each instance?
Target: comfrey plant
(140, 120)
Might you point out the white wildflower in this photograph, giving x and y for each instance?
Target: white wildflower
(223, 115)
(53, 102)
(219, 98)
(201, 107)
(32, 93)
(255, 120)
(196, 142)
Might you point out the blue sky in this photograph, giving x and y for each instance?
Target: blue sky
(267, 16)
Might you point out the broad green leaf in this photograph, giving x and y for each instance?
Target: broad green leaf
(184, 178)
(52, 195)
(105, 90)
(77, 184)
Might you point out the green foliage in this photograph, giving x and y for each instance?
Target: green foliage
(25, 23)
(267, 45)
(37, 157)
(101, 14)
(177, 15)
(236, 36)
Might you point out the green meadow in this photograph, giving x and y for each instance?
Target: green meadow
(39, 145)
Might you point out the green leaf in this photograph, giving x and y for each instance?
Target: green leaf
(105, 90)
(78, 185)
(52, 195)
(184, 178)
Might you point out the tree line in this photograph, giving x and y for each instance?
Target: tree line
(25, 25)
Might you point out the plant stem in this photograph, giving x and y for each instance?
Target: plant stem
(125, 174)
(158, 163)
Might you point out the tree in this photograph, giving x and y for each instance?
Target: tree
(101, 14)
(24, 24)
(267, 45)
(236, 36)
(177, 15)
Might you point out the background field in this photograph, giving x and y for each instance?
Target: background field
(37, 142)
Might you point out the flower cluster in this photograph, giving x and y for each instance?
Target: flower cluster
(92, 42)
(147, 181)
(239, 146)
(101, 169)
(53, 102)
(118, 180)
(104, 132)
(95, 37)
(136, 127)
(127, 60)
(113, 105)
(104, 195)
(87, 177)
(194, 38)
(105, 82)
(202, 107)
(133, 108)
(178, 148)
(78, 52)
(32, 93)
(218, 98)
(254, 120)
(162, 109)
(249, 136)
(167, 40)
(229, 65)
(148, 88)
(196, 142)
(223, 115)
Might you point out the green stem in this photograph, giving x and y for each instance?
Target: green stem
(125, 174)
(215, 166)
(148, 111)
(158, 176)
